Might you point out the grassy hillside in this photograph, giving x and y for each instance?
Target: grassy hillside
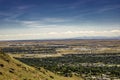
(11, 69)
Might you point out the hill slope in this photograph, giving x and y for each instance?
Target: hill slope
(11, 69)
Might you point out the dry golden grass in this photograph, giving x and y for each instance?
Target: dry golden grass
(11, 69)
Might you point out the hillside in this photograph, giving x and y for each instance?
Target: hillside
(11, 69)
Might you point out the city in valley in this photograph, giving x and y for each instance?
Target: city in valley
(88, 59)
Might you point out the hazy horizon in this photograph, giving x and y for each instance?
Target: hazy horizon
(58, 19)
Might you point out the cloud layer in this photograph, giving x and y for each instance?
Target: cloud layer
(42, 19)
(66, 34)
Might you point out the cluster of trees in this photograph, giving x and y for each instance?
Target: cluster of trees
(70, 64)
(29, 50)
(33, 49)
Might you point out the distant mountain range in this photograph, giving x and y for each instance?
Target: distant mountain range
(82, 37)
(97, 37)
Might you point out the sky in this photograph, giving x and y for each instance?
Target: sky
(57, 19)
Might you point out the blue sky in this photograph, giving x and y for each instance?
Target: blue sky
(51, 19)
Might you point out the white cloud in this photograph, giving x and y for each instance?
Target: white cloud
(53, 33)
(24, 7)
(108, 8)
(88, 33)
(55, 20)
(62, 34)
(95, 33)
(115, 31)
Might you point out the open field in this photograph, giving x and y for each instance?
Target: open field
(61, 46)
